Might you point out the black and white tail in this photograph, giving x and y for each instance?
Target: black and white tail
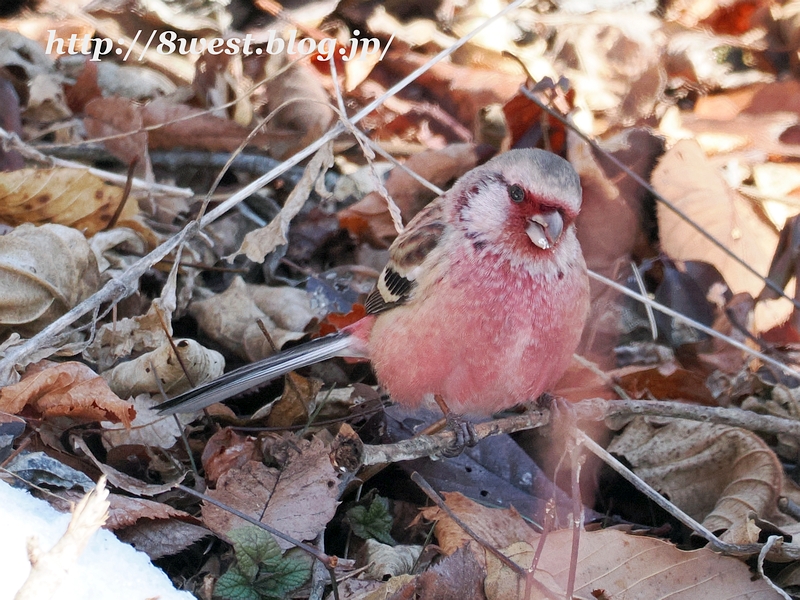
(252, 375)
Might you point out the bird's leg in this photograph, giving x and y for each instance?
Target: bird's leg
(464, 430)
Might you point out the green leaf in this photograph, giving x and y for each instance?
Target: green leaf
(233, 585)
(253, 546)
(285, 575)
(373, 522)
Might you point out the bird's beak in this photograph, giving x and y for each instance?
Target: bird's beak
(545, 228)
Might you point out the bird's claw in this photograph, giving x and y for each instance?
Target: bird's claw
(465, 435)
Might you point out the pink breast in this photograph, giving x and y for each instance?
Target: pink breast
(483, 345)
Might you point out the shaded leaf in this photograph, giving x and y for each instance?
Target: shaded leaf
(374, 521)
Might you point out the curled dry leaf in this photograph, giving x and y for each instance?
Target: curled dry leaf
(231, 318)
(384, 561)
(44, 271)
(298, 500)
(68, 389)
(124, 337)
(65, 196)
(687, 178)
(369, 218)
(160, 369)
(500, 528)
(715, 473)
(257, 244)
(227, 450)
(296, 403)
(289, 307)
(116, 249)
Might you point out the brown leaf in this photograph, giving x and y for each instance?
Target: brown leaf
(125, 511)
(298, 500)
(498, 527)
(461, 90)
(456, 577)
(715, 473)
(260, 242)
(231, 318)
(114, 117)
(301, 108)
(67, 389)
(192, 128)
(85, 88)
(687, 179)
(11, 121)
(666, 381)
(227, 450)
(295, 405)
(66, 196)
(613, 564)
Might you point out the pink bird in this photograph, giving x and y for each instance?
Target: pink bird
(481, 304)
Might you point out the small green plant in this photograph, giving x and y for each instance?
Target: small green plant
(374, 522)
(261, 570)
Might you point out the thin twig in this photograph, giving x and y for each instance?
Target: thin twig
(432, 445)
(697, 325)
(13, 141)
(439, 501)
(641, 485)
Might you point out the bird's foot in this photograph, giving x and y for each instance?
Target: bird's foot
(464, 432)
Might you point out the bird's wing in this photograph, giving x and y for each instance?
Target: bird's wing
(406, 255)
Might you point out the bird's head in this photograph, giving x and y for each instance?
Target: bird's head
(523, 201)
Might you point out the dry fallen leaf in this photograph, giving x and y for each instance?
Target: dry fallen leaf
(181, 125)
(44, 271)
(260, 242)
(613, 564)
(160, 370)
(68, 389)
(120, 119)
(72, 197)
(148, 429)
(231, 319)
(715, 473)
(152, 527)
(686, 178)
(298, 500)
(227, 450)
(623, 565)
(300, 107)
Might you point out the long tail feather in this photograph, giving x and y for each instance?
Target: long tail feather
(252, 375)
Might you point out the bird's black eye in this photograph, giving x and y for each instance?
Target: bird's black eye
(516, 193)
